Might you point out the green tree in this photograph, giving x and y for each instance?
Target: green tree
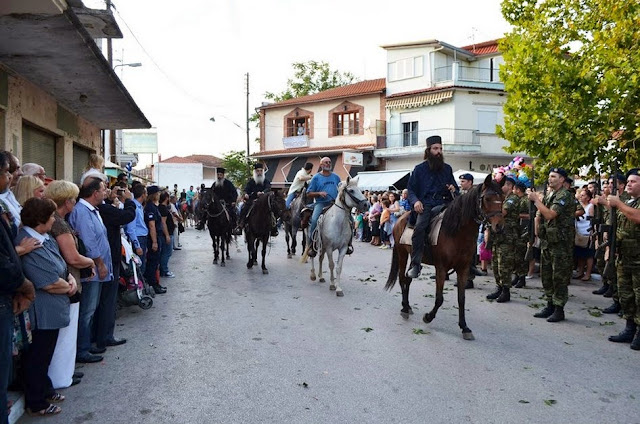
(238, 171)
(571, 71)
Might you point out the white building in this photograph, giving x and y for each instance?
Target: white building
(186, 171)
(434, 88)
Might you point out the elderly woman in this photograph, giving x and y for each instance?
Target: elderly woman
(94, 168)
(27, 187)
(64, 194)
(49, 312)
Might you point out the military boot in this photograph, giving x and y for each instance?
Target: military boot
(602, 290)
(626, 335)
(546, 312)
(557, 316)
(614, 308)
(495, 294)
(469, 285)
(514, 281)
(609, 292)
(521, 282)
(635, 344)
(505, 296)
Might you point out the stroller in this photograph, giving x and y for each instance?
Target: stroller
(133, 290)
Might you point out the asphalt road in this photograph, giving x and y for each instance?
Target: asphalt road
(230, 345)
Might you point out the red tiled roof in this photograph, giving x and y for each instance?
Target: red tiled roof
(312, 150)
(178, 159)
(358, 89)
(486, 47)
(207, 160)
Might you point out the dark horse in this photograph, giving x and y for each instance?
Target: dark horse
(292, 222)
(258, 226)
(455, 248)
(219, 223)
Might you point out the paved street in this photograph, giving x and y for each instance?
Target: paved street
(229, 345)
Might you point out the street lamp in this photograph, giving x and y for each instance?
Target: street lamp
(132, 65)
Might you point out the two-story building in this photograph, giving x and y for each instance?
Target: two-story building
(435, 88)
(344, 123)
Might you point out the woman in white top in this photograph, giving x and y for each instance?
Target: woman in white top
(584, 254)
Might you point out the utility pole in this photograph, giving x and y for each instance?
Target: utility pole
(112, 132)
(248, 153)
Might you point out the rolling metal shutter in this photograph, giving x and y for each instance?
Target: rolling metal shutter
(39, 147)
(80, 161)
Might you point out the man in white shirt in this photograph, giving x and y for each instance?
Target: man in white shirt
(303, 175)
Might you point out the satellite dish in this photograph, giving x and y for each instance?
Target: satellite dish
(367, 124)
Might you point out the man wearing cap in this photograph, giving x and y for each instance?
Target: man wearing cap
(466, 183)
(256, 186)
(154, 223)
(556, 213)
(302, 176)
(323, 188)
(225, 190)
(504, 258)
(431, 184)
(628, 263)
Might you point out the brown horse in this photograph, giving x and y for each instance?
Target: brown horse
(455, 248)
(258, 226)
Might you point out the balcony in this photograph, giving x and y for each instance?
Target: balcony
(468, 76)
(454, 141)
(295, 141)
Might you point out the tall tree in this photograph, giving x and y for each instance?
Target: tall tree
(571, 71)
(238, 172)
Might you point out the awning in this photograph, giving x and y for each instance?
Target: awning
(383, 180)
(420, 100)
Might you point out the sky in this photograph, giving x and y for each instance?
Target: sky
(195, 54)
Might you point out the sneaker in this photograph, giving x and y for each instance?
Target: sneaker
(168, 275)
(177, 248)
(528, 277)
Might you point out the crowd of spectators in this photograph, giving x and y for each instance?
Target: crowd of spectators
(60, 259)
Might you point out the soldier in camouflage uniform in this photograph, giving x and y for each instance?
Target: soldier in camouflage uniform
(504, 258)
(628, 261)
(556, 213)
(520, 246)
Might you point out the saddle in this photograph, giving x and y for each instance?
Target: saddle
(434, 228)
(305, 215)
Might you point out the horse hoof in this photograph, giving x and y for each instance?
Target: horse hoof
(313, 278)
(339, 293)
(332, 287)
(322, 280)
(215, 262)
(249, 266)
(265, 271)
(222, 264)
(468, 336)
(289, 256)
(427, 318)
(405, 315)
(255, 262)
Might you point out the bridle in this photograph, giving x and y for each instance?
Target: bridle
(345, 192)
(224, 210)
(482, 216)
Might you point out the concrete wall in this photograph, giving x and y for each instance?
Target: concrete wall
(26, 103)
(274, 123)
(408, 84)
(457, 161)
(183, 174)
(467, 105)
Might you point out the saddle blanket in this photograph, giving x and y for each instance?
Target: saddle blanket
(434, 232)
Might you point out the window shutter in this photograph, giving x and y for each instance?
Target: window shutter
(39, 147)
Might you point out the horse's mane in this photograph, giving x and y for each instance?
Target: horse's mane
(463, 209)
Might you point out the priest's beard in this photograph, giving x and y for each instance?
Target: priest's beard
(219, 182)
(259, 179)
(436, 162)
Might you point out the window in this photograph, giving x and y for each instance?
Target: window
(405, 68)
(298, 126)
(410, 133)
(347, 123)
(487, 121)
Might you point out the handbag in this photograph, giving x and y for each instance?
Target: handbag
(180, 227)
(581, 241)
(85, 272)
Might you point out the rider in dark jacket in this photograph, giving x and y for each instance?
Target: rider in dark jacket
(259, 184)
(225, 190)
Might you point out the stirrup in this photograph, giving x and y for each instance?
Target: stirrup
(349, 250)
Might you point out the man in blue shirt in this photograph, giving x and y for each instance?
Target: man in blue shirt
(323, 188)
(86, 221)
(137, 230)
(431, 184)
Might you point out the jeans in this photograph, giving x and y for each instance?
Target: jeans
(143, 258)
(6, 337)
(105, 315)
(290, 199)
(317, 210)
(89, 299)
(165, 254)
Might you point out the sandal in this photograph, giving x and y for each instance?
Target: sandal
(579, 277)
(49, 410)
(56, 398)
(585, 278)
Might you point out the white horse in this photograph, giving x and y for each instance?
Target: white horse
(335, 231)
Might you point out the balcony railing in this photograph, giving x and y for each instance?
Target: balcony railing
(449, 136)
(456, 72)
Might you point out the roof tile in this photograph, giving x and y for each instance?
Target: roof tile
(486, 47)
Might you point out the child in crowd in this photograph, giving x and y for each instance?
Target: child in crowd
(385, 221)
(359, 226)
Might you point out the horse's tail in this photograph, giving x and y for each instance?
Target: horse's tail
(393, 274)
(305, 255)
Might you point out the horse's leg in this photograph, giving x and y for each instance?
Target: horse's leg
(331, 265)
(320, 259)
(249, 241)
(265, 241)
(441, 274)
(341, 254)
(287, 230)
(294, 243)
(215, 250)
(462, 273)
(222, 241)
(405, 282)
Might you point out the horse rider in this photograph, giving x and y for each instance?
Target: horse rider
(302, 176)
(323, 188)
(225, 190)
(431, 184)
(256, 186)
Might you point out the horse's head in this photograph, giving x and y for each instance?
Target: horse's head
(351, 195)
(277, 203)
(490, 204)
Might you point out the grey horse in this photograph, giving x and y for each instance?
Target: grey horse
(335, 231)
